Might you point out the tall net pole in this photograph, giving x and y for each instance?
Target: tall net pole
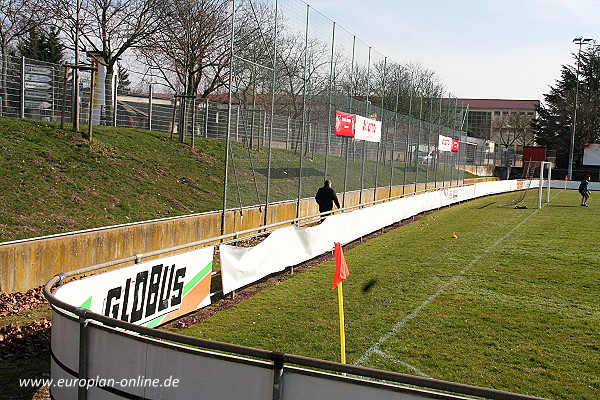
(228, 133)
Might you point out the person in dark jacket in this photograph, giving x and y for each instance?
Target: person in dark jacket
(325, 198)
(584, 191)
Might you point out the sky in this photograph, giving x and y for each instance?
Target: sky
(484, 49)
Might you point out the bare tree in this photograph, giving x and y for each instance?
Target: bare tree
(513, 128)
(108, 29)
(191, 51)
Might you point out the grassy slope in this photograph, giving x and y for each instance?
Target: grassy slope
(54, 181)
(521, 315)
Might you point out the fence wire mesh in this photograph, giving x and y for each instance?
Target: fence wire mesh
(290, 69)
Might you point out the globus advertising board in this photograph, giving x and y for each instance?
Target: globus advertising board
(149, 293)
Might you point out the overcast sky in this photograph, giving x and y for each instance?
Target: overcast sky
(491, 49)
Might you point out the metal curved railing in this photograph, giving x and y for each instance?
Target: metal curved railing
(278, 361)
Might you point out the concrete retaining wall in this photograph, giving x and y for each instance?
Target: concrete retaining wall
(32, 262)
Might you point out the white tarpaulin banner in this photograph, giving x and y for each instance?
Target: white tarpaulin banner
(367, 129)
(149, 293)
(293, 245)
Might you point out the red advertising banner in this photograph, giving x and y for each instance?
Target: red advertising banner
(344, 124)
(454, 144)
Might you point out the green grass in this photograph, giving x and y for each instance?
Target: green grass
(54, 181)
(518, 310)
(14, 368)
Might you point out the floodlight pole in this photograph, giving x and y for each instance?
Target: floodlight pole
(580, 41)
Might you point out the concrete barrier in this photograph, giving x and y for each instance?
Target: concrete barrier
(32, 262)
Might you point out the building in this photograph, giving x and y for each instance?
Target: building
(505, 122)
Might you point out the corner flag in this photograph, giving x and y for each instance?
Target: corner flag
(341, 274)
(341, 268)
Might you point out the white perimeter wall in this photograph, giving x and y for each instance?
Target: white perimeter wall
(293, 245)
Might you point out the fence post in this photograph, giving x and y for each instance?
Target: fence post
(272, 113)
(64, 100)
(193, 120)
(364, 143)
(228, 130)
(22, 100)
(206, 117)
(174, 116)
(151, 92)
(114, 99)
(416, 154)
(330, 117)
(278, 363)
(83, 346)
(76, 107)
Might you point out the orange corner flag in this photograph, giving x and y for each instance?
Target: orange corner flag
(341, 268)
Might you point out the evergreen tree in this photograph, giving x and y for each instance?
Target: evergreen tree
(54, 49)
(43, 45)
(30, 47)
(124, 82)
(553, 127)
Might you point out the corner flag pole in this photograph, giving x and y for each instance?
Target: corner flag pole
(341, 274)
(342, 330)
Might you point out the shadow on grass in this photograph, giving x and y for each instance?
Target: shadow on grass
(15, 369)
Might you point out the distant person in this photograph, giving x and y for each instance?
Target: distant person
(325, 198)
(584, 191)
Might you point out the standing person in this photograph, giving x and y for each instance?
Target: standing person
(325, 198)
(584, 191)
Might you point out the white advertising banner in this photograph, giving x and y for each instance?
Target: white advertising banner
(293, 245)
(591, 154)
(367, 129)
(444, 143)
(149, 293)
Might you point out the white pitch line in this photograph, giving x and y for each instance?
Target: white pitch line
(375, 348)
(407, 365)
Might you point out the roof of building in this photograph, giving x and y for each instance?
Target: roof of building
(498, 104)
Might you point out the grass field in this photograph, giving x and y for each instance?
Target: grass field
(512, 304)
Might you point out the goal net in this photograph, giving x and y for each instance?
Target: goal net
(530, 188)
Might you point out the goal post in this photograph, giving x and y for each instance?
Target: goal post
(543, 166)
(533, 172)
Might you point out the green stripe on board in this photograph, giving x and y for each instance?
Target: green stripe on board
(155, 322)
(87, 304)
(197, 278)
